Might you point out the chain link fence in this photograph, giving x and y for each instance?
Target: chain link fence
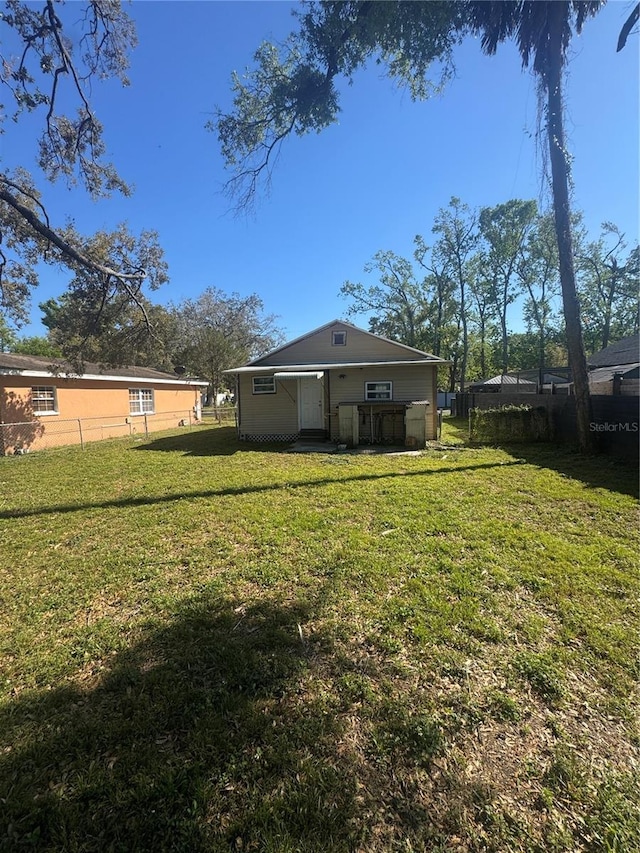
(221, 415)
(46, 432)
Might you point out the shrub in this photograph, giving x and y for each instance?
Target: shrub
(509, 424)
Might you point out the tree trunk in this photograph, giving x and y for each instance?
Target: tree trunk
(465, 332)
(483, 335)
(561, 210)
(504, 335)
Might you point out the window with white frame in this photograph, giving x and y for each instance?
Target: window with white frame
(378, 390)
(43, 400)
(264, 384)
(140, 401)
(338, 339)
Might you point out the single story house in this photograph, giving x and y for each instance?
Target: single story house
(624, 351)
(511, 382)
(44, 404)
(616, 368)
(341, 383)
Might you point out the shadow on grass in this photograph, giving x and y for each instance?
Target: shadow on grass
(243, 490)
(215, 441)
(199, 737)
(605, 471)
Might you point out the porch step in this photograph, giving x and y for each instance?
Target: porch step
(317, 434)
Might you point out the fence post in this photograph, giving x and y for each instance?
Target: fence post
(146, 426)
(80, 431)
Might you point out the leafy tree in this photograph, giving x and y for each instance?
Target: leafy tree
(504, 229)
(444, 309)
(37, 345)
(8, 337)
(98, 319)
(293, 90)
(398, 303)
(537, 270)
(456, 228)
(112, 334)
(217, 331)
(609, 295)
(52, 57)
(482, 315)
(524, 349)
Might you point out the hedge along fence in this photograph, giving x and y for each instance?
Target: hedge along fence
(510, 424)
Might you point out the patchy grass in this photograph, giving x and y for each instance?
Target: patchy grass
(208, 646)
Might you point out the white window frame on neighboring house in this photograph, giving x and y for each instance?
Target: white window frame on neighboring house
(263, 384)
(141, 401)
(44, 400)
(373, 392)
(339, 339)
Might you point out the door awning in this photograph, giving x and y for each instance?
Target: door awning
(300, 374)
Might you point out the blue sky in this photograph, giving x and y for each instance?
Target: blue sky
(373, 181)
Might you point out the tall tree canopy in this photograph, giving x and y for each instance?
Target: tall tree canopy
(218, 331)
(609, 273)
(292, 90)
(52, 57)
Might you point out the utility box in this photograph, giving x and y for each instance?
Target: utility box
(349, 425)
(416, 425)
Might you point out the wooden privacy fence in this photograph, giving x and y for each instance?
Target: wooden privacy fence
(616, 419)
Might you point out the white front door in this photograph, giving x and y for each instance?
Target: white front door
(311, 403)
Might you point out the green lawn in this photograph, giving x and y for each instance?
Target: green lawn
(208, 646)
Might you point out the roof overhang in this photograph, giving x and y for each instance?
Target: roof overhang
(300, 374)
(288, 371)
(101, 377)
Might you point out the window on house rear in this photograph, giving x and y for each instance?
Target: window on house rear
(43, 400)
(140, 401)
(338, 339)
(264, 385)
(378, 390)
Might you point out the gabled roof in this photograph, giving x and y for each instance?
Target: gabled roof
(504, 379)
(42, 366)
(625, 351)
(412, 354)
(606, 374)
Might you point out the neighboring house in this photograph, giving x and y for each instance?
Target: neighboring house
(616, 368)
(626, 351)
(42, 405)
(510, 382)
(524, 382)
(342, 383)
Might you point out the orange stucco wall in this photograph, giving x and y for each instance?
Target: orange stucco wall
(101, 406)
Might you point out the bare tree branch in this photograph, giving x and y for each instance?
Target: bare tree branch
(64, 246)
(629, 24)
